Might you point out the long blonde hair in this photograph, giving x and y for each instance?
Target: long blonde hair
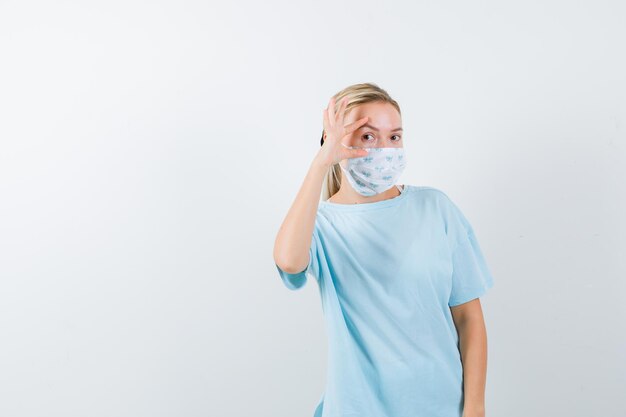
(357, 94)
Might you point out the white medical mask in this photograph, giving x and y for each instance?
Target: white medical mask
(376, 172)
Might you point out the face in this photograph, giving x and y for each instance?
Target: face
(382, 130)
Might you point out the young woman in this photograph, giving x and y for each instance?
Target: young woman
(399, 270)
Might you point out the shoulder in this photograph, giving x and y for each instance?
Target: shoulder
(430, 192)
(440, 201)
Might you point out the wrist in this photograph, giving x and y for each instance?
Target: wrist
(320, 163)
(473, 410)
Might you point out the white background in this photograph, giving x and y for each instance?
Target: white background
(150, 150)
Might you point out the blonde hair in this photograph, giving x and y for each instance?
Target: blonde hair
(357, 94)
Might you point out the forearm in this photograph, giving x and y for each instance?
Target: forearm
(291, 248)
(473, 346)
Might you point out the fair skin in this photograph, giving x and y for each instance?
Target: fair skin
(372, 125)
(383, 129)
(470, 325)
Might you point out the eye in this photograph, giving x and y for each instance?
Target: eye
(367, 134)
(397, 136)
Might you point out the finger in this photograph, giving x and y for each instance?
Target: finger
(355, 125)
(326, 125)
(355, 153)
(331, 111)
(352, 152)
(341, 112)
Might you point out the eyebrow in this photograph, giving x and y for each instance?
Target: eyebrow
(374, 128)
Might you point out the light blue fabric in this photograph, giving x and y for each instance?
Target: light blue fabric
(387, 274)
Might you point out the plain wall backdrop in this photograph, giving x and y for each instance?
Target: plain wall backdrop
(150, 151)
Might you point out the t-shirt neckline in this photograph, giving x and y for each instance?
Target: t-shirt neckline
(368, 206)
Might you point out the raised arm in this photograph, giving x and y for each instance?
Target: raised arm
(292, 244)
(291, 248)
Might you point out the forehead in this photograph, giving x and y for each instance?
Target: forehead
(382, 115)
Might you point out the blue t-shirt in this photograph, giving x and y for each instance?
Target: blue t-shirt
(387, 274)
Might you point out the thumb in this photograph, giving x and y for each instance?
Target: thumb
(359, 153)
(351, 152)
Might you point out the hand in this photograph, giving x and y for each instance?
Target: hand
(333, 150)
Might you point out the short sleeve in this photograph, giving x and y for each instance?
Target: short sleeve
(297, 281)
(471, 277)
